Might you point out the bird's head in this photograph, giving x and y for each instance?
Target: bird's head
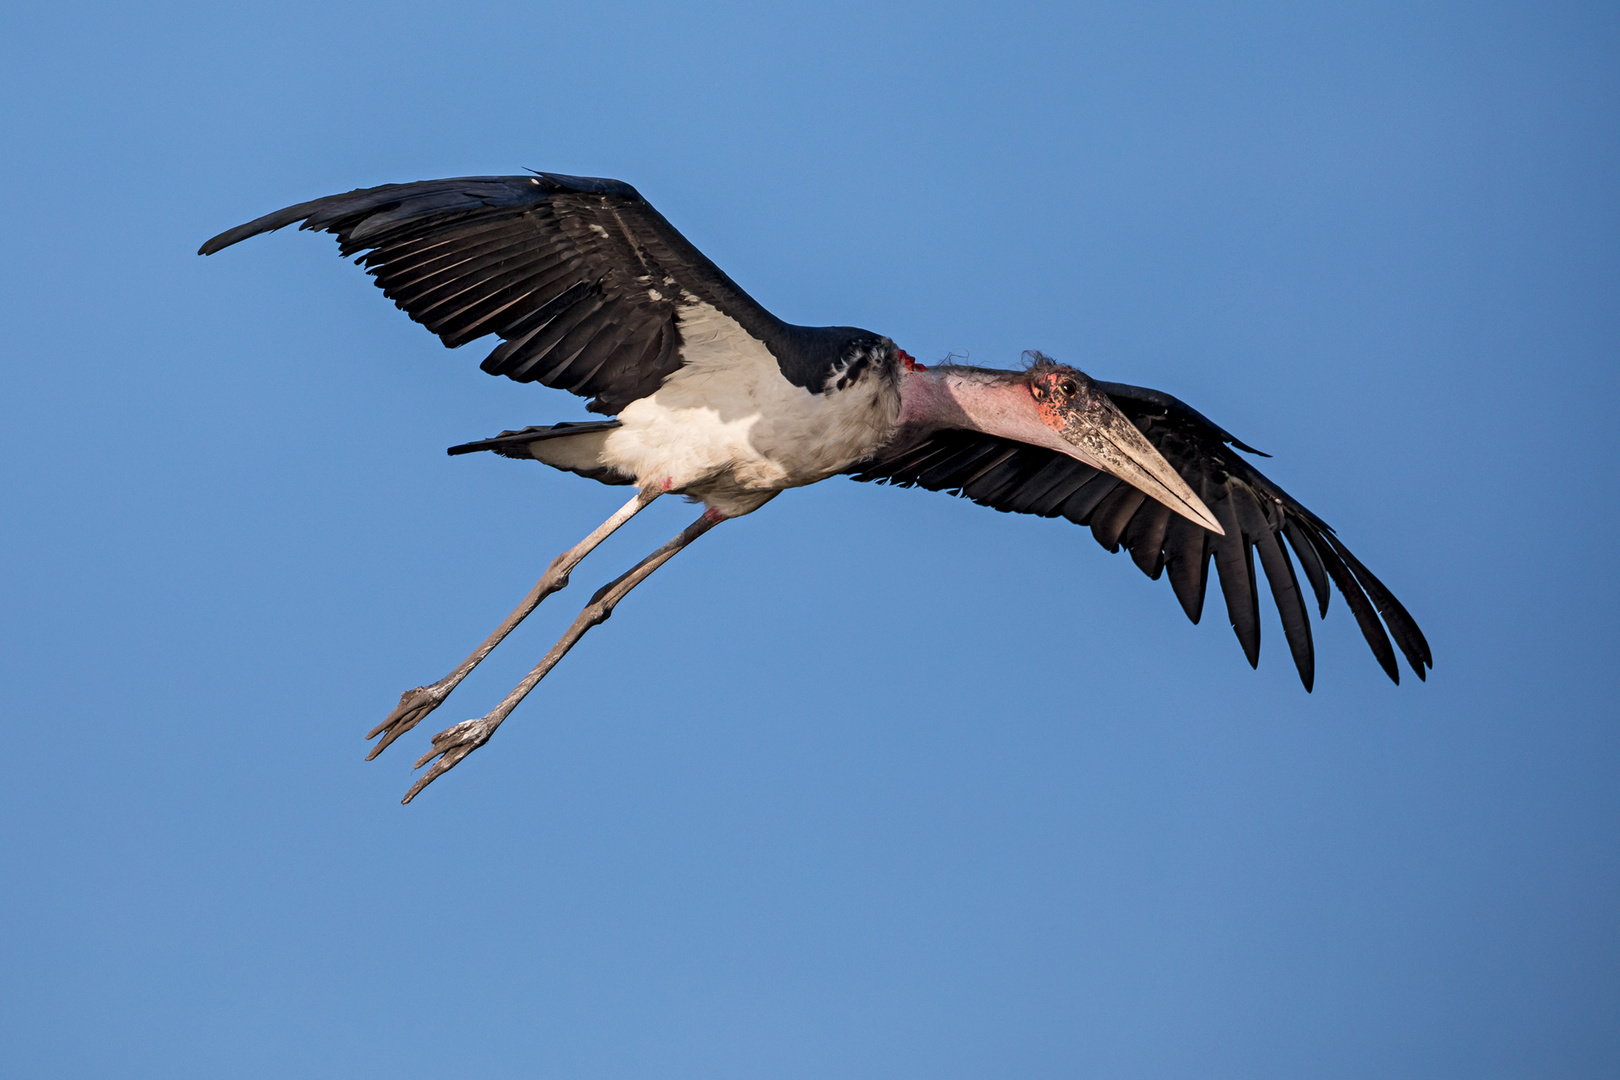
(1054, 406)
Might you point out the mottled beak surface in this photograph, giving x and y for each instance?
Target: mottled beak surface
(1083, 416)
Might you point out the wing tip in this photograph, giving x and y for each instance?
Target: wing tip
(268, 223)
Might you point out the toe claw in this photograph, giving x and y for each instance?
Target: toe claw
(450, 746)
(413, 706)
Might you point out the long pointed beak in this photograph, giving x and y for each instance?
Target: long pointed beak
(1088, 420)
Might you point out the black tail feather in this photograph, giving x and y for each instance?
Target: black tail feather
(516, 443)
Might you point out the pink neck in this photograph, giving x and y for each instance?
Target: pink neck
(995, 403)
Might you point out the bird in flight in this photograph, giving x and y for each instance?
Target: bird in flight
(708, 395)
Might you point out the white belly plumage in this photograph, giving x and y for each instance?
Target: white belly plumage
(728, 429)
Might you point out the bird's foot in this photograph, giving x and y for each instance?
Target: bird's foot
(413, 705)
(451, 745)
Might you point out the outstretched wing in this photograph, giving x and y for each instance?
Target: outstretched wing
(1256, 514)
(580, 277)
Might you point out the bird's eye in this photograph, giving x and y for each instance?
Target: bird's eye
(1068, 388)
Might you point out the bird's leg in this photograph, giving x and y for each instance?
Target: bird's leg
(417, 703)
(455, 743)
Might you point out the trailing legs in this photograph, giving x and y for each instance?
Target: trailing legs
(455, 743)
(417, 703)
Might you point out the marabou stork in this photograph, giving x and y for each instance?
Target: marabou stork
(711, 396)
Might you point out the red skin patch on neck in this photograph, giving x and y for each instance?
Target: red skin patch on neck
(1046, 404)
(909, 360)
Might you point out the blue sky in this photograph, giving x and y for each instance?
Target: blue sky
(873, 782)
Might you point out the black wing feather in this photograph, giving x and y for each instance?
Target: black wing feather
(1108, 521)
(1086, 498)
(1144, 538)
(1256, 514)
(1234, 566)
(1186, 553)
(579, 276)
(1296, 617)
(1311, 560)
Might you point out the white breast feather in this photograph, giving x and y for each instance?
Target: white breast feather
(728, 428)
